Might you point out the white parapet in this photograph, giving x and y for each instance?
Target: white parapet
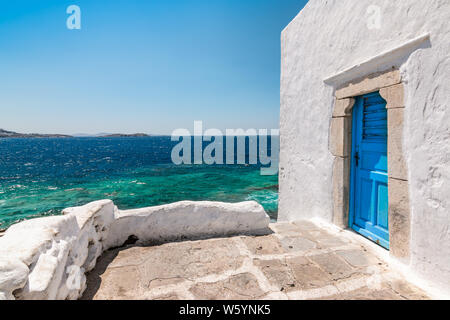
(47, 258)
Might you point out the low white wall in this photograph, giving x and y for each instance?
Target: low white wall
(47, 258)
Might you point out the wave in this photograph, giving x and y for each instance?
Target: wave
(268, 197)
(75, 189)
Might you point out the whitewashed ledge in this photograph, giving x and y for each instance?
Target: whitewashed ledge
(47, 258)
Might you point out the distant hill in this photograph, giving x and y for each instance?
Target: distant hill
(119, 135)
(12, 134)
(91, 135)
(109, 135)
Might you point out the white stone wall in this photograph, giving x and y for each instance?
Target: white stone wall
(47, 258)
(333, 35)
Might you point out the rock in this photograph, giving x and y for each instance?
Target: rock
(13, 275)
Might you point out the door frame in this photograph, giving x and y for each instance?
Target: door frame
(390, 86)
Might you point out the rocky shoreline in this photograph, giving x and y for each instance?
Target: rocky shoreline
(13, 134)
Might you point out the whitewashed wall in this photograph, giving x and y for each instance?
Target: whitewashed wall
(47, 258)
(329, 36)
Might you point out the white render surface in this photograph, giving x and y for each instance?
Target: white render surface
(329, 37)
(47, 258)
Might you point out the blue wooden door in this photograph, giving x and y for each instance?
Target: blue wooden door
(369, 185)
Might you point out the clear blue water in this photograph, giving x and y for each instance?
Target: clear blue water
(40, 177)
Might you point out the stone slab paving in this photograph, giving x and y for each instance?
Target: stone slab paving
(299, 260)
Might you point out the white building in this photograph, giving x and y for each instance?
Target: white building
(365, 125)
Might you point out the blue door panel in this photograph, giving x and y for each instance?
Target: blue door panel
(363, 215)
(369, 185)
(382, 217)
(373, 161)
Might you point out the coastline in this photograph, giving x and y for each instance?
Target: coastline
(16, 135)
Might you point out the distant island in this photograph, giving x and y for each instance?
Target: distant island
(12, 134)
(120, 135)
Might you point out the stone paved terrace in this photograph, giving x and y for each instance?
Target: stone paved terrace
(298, 261)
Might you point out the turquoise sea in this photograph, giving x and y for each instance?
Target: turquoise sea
(40, 177)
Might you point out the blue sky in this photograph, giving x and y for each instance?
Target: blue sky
(141, 66)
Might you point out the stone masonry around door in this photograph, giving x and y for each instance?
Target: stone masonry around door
(390, 86)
